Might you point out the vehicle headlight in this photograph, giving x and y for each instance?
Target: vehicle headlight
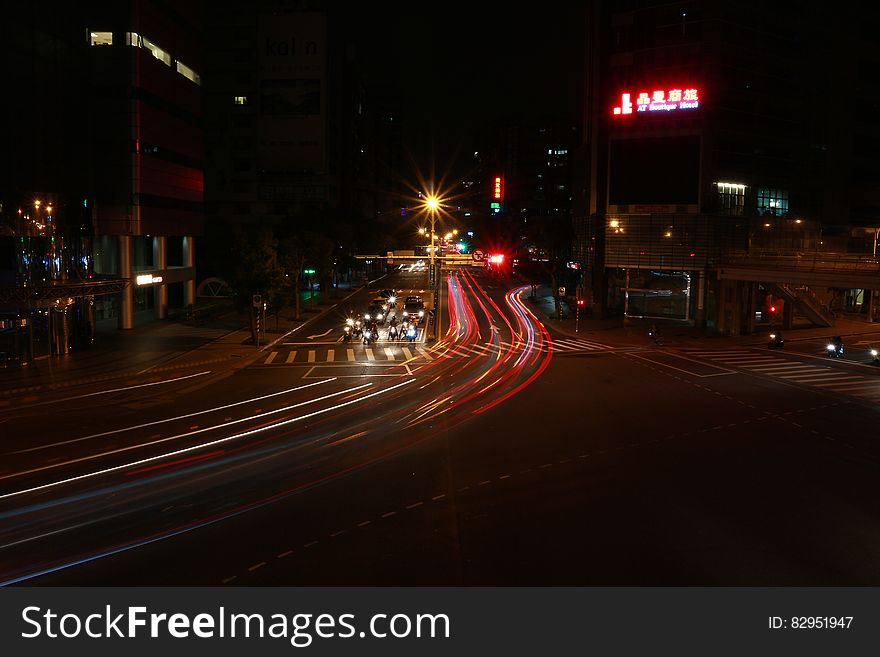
(874, 353)
(379, 316)
(830, 347)
(367, 316)
(349, 321)
(421, 313)
(772, 336)
(392, 299)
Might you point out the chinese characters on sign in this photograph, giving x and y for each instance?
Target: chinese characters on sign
(498, 193)
(659, 101)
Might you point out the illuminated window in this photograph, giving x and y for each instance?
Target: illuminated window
(188, 73)
(772, 202)
(157, 52)
(731, 197)
(101, 38)
(133, 39)
(240, 100)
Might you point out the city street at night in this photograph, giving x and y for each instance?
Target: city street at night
(460, 465)
(439, 329)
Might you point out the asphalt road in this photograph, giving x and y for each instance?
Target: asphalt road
(499, 460)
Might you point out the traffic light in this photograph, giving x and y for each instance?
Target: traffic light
(582, 302)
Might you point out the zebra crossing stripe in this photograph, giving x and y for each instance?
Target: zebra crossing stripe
(828, 376)
(350, 354)
(290, 357)
(407, 354)
(842, 383)
(370, 355)
(424, 353)
(271, 357)
(389, 353)
(311, 355)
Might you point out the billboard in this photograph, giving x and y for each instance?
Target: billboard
(658, 100)
(292, 64)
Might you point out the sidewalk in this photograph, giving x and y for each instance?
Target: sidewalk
(633, 332)
(219, 342)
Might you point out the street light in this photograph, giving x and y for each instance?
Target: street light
(432, 203)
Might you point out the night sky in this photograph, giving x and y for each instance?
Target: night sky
(457, 66)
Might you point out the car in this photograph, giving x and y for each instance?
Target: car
(377, 312)
(414, 298)
(414, 310)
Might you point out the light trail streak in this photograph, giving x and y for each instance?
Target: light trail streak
(201, 446)
(171, 419)
(107, 392)
(187, 434)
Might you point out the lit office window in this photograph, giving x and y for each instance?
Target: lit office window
(731, 197)
(188, 73)
(773, 202)
(240, 100)
(101, 38)
(133, 39)
(157, 52)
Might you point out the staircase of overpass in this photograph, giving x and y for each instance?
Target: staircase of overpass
(792, 275)
(805, 301)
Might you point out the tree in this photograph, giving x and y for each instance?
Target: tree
(257, 271)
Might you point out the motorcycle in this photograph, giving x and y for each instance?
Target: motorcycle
(875, 356)
(776, 341)
(371, 336)
(357, 328)
(834, 349)
(346, 333)
(411, 333)
(392, 333)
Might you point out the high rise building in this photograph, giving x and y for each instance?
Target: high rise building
(101, 182)
(716, 133)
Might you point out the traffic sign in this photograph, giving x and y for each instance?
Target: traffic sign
(478, 255)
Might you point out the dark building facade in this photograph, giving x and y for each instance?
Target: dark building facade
(294, 140)
(101, 188)
(713, 137)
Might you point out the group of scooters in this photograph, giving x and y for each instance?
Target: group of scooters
(834, 348)
(355, 328)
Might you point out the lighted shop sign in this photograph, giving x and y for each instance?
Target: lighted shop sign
(659, 101)
(148, 279)
(499, 189)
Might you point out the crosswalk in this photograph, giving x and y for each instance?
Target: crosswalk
(345, 355)
(490, 349)
(396, 352)
(794, 371)
(578, 344)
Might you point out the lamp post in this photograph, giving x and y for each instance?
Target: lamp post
(431, 203)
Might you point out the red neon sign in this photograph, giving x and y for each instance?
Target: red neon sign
(660, 100)
(498, 188)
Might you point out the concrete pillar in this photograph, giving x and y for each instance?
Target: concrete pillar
(126, 297)
(751, 301)
(871, 304)
(700, 314)
(189, 260)
(160, 262)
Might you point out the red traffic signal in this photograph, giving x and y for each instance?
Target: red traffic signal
(772, 310)
(582, 302)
